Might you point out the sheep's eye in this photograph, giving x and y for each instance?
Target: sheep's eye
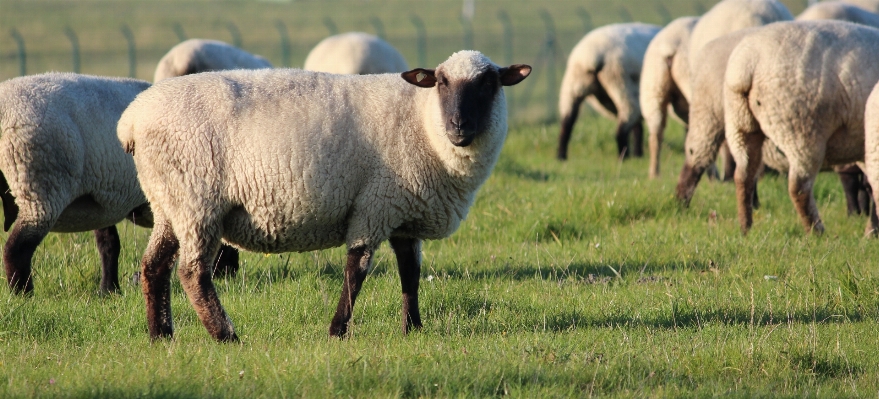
(442, 81)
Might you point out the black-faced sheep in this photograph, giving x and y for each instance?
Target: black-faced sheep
(202, 55)
(355, 53)
(289, 160)
(803, 85)
(604, 68)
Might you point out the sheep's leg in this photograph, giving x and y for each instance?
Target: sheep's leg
(746, 178)
(109, 248)
(19, 253)
(227, 262)
(654, 141)
(873, 224)
(155, 276)
(687, 182)
(196, 276)
(567, 126)
(622, 137)
(800, 185)
(408, 251)
(356, 268)
(638, 140)
(729, 164)
(851, 187)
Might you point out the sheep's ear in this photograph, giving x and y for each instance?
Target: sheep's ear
(420, 77)
(514, 74)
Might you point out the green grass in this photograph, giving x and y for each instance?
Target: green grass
(567, 279)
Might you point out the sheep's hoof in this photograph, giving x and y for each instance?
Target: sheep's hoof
(228, 339)
(338, 329)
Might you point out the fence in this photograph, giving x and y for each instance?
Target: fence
(129, 38)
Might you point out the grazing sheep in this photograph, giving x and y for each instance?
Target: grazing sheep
(290, 160)
(665, 81)
(726, 17)
(202, 55)
(841, 11)
(355, 53)
(62, 167)
(729, 16)
(604, 68)
(803, 85)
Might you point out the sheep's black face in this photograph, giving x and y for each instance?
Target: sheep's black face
(467, 102)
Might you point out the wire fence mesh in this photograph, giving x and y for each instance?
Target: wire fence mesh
(128, 37)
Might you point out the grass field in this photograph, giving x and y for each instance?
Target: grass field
(567, 279)
(575, 279)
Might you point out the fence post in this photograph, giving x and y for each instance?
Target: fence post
(236, 34)
(74, 47)
(181, 34)
(507, 25)
(132, 51)
(662, 11)
(378, 26)
(331, 26)
(22, 54)
(285, 42)
(421, 40)
(585, 18)
(551, 97)
(467, 27)
(625, 15)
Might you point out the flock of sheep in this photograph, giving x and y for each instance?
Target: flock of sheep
(225, 152)
(749, 82)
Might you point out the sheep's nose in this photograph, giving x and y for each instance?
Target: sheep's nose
(458, 123)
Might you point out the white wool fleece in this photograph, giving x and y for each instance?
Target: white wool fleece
(203, 55)
(289, 160)
(355, 53)
(58, 143)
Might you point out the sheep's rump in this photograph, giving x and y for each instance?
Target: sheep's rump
(282, 172)
(59, 152)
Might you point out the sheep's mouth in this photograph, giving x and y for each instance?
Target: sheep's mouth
(461, 140)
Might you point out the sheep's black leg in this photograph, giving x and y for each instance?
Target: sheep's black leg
(227, 262)
(638, 140)
(356, 268)
(408, 251)
(158, 260)
(19, 253)
(567, 126)
(850, 186)
(109, 247)
(622, 136)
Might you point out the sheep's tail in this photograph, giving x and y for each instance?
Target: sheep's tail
(738, 83)
(125, 131)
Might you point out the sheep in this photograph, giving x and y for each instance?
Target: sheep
(604, 68)
(290, 160)
(803, 85)
(841, 11)
(729, 16)
(665, 81)
(355, 53)
(62, 168)
(202, 55)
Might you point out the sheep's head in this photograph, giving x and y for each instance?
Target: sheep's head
(468, 85)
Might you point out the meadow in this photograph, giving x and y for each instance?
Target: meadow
(574, 279)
